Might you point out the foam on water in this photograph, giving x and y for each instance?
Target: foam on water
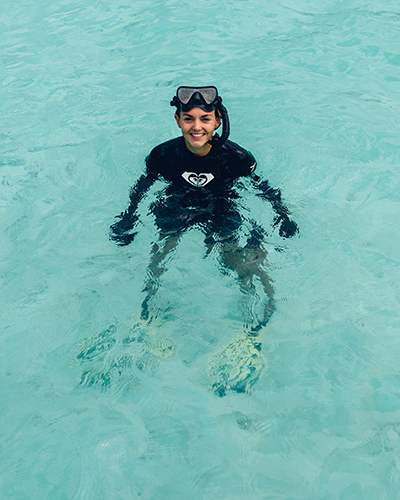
(92, 407)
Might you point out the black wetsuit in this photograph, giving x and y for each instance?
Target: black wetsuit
(199, 191)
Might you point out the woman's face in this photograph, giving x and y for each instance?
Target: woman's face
(197, 128)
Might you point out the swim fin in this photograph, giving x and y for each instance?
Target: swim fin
(237, 366)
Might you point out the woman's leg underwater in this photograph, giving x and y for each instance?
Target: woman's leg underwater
(249, 263)
(166, 244)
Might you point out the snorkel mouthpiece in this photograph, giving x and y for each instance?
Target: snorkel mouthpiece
(206, 98)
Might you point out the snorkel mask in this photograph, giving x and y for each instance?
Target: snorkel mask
(206, 98)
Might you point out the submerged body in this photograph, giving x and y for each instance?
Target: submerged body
(201, 172)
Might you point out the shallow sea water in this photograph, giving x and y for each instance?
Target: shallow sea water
(313, 91)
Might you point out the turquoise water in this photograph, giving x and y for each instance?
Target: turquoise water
(313, 91)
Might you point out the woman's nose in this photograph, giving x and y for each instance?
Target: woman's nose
(197, 125)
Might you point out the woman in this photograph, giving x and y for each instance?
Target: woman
(201, 171)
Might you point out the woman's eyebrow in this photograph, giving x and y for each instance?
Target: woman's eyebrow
(188, 114)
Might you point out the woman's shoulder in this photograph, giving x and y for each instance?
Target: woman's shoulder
(239, 156)
(235, 150)
(165, 148)
(162, 155)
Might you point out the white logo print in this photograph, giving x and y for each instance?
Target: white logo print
(198, 180)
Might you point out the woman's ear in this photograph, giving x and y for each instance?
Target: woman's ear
(178, 120)
(218, 123)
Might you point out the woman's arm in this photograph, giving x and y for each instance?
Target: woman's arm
(122, 231)
(287, 227)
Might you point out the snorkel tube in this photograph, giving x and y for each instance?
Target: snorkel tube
(217, 141)
(206, 98)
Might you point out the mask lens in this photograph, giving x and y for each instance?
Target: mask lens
(209, 94)
(185, 94)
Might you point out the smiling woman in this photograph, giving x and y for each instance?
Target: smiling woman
(198, 127)
(201, 172)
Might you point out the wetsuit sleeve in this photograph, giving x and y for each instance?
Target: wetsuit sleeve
(242, 162)
(154, 162)
(250, 164)
(122, 231)
(287, 227)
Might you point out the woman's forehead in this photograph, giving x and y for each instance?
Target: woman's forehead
(198, 111)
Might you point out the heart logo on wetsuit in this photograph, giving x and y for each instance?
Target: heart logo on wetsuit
(197, 180)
